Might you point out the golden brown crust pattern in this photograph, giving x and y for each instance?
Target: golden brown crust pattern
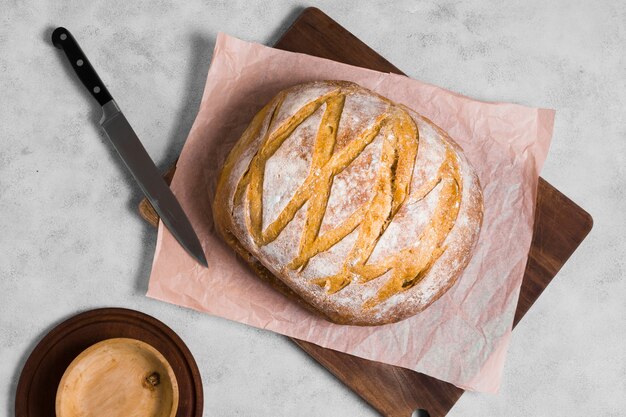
(391, 187)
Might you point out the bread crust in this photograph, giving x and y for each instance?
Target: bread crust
(357, 207)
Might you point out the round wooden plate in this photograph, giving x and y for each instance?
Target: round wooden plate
(42, 373)
(118, 377)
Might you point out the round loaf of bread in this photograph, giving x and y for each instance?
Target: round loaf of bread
(360, 207)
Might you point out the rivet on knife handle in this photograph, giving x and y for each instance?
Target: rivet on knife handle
(63, 39)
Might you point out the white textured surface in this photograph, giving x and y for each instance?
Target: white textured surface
(71, 239)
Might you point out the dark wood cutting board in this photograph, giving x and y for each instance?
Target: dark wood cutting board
(560, 226)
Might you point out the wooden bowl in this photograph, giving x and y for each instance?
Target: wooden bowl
(56, 352)
(118, 378)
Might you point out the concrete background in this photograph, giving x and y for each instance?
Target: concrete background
(70, 238)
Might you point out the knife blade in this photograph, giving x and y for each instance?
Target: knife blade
(129, 147)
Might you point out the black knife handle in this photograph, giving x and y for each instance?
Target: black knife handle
(63, 39)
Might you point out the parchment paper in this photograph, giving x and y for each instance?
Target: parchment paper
(463, 337)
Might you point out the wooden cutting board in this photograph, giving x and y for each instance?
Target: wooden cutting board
(560, 226)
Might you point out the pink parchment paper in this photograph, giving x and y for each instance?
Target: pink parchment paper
(462, 338)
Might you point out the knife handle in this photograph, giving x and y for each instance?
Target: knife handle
(63, 39)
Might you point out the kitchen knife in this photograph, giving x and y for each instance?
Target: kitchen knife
(130, 149)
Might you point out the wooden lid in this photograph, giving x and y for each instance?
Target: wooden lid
(118, 378)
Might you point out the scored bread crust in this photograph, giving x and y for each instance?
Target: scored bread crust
(357, 207)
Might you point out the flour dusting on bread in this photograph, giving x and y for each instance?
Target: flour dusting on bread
(365, 209)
